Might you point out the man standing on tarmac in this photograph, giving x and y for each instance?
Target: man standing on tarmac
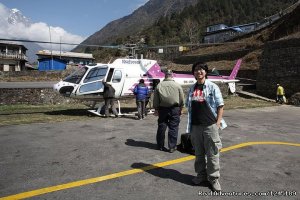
(141, 91)
(168, 102)
(205, 110)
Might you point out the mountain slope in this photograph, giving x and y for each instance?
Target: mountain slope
(136, 22)
(162, 22)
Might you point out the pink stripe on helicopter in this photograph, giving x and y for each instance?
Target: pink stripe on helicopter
(155, 72)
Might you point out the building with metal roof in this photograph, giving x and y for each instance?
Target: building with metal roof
(67, 57)
(221, 32)
(12, 56)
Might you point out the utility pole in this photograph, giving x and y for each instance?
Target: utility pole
(51, 49)
(60, 47)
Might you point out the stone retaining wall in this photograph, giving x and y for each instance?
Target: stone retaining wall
(280, 63)
(48, 96)
(31, 96)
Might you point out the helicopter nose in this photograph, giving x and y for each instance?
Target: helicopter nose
(57, 86)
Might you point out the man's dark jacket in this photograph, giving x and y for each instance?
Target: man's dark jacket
(109, 91)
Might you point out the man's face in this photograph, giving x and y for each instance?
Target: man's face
(199, 73)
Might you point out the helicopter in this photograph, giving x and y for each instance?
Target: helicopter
(124, 74)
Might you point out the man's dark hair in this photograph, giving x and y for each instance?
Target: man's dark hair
(201, 65)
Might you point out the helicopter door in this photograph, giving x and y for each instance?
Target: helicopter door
(115, 77)
(92, 82)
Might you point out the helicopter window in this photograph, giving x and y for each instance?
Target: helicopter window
(76, 76)
(117, 76)
(91, 87)
(95, 74)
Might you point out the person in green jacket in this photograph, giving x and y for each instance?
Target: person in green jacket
(168, 101)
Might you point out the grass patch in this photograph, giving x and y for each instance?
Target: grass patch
(27, 114)
(236, 102)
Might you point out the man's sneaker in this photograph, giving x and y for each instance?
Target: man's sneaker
(197, 180)
(215, 185)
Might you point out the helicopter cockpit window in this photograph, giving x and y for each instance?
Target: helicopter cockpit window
(117, 76)
(76, 76)
(95, 74)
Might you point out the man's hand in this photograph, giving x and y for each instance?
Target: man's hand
(219, 116)
(219, 125)
(155, 113)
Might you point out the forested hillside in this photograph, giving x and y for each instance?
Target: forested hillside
(118, 31)
(181, 26)
(189, 25)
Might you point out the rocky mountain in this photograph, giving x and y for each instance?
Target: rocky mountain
(16, 16)
(141, 18)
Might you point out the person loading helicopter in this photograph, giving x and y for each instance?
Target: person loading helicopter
(109, 99)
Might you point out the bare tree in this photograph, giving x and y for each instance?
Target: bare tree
(190, 28)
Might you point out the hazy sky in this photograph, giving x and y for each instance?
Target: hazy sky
(71, 21)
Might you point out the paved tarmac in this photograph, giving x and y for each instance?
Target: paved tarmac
(99, 159)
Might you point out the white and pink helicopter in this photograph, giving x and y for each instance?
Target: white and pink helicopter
(124, 74)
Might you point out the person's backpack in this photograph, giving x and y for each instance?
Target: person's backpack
(186, 144)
